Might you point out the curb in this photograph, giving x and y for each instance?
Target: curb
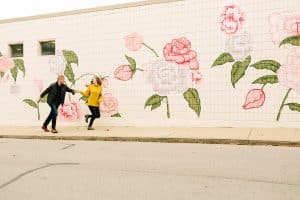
(160, 140)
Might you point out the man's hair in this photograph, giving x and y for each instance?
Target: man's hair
(60, 76)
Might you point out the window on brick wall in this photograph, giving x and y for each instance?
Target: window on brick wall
(16, 50)
(47, 47)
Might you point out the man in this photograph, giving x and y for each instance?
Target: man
(56, 96)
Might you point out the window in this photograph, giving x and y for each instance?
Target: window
(47, 48)
(16, 50)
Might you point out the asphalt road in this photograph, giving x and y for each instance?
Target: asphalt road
(83, 170)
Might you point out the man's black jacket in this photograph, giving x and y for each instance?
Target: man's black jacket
(52, 93)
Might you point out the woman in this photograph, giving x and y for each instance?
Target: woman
(94, 94)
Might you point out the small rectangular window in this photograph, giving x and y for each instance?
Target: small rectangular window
(16, 50)
(47, 48)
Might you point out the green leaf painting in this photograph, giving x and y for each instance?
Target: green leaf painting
(31, 103)
(69, 73)
(293, 40)
(267, 64)
(2, 74)
(70, 57)
(222, 59)
(294, 106)
(239, 69)
(14, 73)
(34, 105)
(268, 79)
(19, 63)
(193, 99)
(154, 101)
(116, 115)
(131, 62)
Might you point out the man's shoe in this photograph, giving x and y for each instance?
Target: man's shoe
(45, 129)
(54, 131)
(90, 128)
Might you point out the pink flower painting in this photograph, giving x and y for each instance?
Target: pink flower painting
(70, 111)
(196, 77)
(254, 99)
(232, 18)
(283, 25)
(179, 51)
(123, 73)
(6, 63)
(109, 105)
(289, 74)
(134, 42)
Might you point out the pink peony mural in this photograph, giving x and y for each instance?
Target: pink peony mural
(135, 42)
(6, 63)
(285, 30)
(123, 73)
(179, 51)
(284, 25)
(177, 73)
(70, 111)
(232, 18)
(109, 105)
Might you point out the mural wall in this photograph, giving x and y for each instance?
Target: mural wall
(186, 63)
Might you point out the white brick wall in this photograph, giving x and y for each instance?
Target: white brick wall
(98, 40)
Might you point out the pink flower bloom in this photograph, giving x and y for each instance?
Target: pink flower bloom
(283, 25)
(179, 51)
(70, 111)
(108, 105)
(134, 42)
(196, 77)
(254, 99)
(232, 18)
(39, 84)
(6, 63)
(105, 83)
(123, 73)
(289, 74)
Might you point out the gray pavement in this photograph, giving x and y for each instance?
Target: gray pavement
(86, 170)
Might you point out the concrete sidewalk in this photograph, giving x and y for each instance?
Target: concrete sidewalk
(242, 136)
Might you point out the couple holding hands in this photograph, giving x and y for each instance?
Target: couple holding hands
(56, 96)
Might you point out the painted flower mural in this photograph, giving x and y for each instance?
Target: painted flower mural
(284, 28)
(109, 106)
(70, 111)
(239, 45)
(289, 74)
(10, 68)
(254, 99)
(124, 73)
(232, 18)
(284, 25)
(6, 64)
(176, 74)
(179, 51)
(135, 41)
(166, 77)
